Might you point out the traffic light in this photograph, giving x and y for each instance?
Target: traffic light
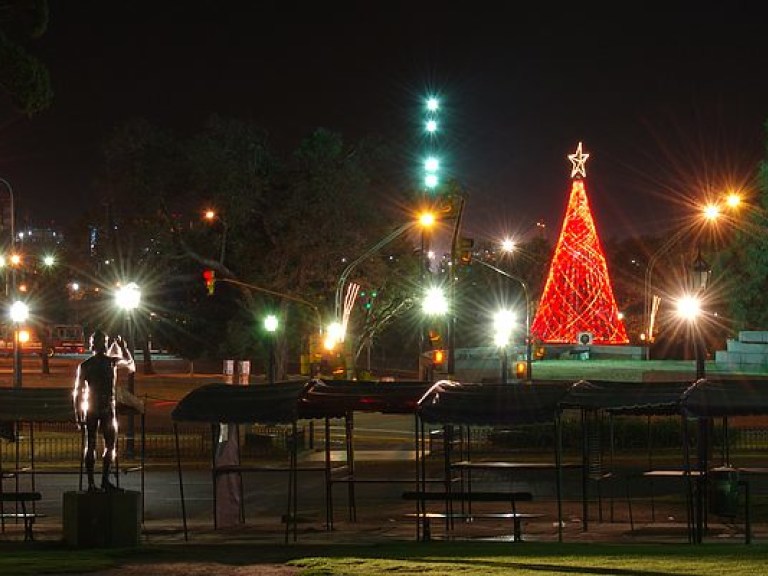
(465, 250)
(210, 280)
(438, 359)
(367, 299)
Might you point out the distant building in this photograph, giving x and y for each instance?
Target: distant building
(39, 237)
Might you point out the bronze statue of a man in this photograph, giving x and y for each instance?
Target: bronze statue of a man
(94, 399)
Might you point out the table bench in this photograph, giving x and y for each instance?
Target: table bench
(516, 517)
(29, 517)
(464, 496)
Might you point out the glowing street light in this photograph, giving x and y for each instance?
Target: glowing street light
(270, 325)
(508, 245)
(503, 324)
(688, 307)
(426, 219)
(334, 335)
(711, 211)
(733, 200)
(128, 298)
(433, 104)
(435, 303)
(19, 312)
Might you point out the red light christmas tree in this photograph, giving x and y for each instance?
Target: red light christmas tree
(578, 296)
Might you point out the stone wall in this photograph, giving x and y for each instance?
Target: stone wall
(747, 354)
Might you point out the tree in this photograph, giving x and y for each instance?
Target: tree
(747, 262)
(23, 76)
(287, 225)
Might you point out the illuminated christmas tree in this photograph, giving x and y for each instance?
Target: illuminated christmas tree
(578, 297)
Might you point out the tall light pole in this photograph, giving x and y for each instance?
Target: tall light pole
(19, 313)
(128, 298)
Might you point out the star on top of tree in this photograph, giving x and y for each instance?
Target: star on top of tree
(578, 160)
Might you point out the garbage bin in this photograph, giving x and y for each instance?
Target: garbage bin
(229, 371)
(243, 372)
(724, 492)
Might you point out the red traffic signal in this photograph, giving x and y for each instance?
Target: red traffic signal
(210, 281)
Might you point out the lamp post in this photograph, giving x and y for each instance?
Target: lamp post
(434, 304)
(270, 325)
(503, 323)
(210, 216)
(128, 298)
(19, 313)
(701, 273)
(689, 308)
(528, 338)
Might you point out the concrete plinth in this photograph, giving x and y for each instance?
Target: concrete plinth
(102, 519)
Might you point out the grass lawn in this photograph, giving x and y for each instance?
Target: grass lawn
(404, 559)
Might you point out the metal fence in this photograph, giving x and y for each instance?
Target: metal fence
(51, 444)
(62, 444)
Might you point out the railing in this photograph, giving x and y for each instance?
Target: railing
(53, 445)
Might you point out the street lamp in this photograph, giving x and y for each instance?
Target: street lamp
(19, 313)
(128, 298)
(270, 325)
(700, 274)
(211, 216)
(503, 323)
(710, 213)
(528, 337)
(435, 303)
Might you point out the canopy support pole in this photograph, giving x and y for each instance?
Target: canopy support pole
(181, 481)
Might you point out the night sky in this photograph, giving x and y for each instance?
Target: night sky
(670, 103)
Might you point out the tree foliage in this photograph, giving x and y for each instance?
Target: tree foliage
(285, 226)
(747, 264)
(24, 77)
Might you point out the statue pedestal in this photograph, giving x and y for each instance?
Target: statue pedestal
(102, 519)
